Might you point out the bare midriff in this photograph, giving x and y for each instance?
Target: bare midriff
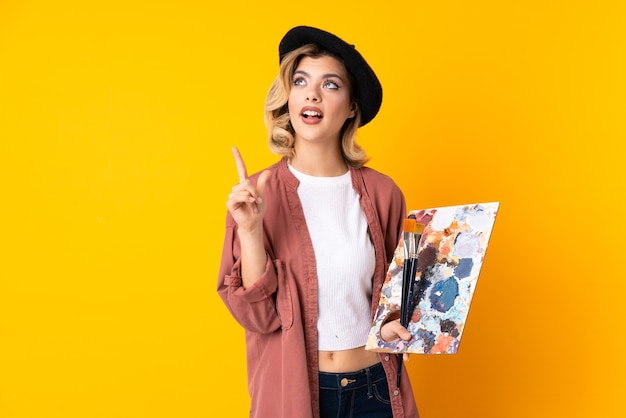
(344, 361)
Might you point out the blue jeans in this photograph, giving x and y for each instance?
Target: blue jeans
(361, 394)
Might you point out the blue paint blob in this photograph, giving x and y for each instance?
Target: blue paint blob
(443, 294)
(428, 339)
(464, 268)
(387, 291)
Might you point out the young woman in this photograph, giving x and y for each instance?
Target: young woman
(308, 242)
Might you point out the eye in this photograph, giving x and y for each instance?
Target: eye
(299, 81)
(329, 84)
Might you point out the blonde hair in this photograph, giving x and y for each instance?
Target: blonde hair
(277, 122)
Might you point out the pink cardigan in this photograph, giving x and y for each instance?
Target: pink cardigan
(279, 312)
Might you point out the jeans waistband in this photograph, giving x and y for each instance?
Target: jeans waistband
(352, 380)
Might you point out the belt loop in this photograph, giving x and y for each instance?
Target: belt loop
(370, 392)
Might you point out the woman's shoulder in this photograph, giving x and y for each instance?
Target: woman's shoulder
(280, 178)
(375, 178)
(274, 169)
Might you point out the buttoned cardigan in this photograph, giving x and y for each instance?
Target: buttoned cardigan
(279, 311)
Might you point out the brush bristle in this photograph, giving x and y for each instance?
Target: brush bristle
(409, 225)
(418, 229)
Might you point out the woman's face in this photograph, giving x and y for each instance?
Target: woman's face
(319, 99)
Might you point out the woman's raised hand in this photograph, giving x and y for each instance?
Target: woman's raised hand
(246, 202)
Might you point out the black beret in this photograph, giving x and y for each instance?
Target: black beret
(368, 91)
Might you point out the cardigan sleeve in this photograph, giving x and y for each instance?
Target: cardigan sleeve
(253, 307)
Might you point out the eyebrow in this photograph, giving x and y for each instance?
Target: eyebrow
(328, 75)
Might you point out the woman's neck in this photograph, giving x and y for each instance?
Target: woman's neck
(318, 161)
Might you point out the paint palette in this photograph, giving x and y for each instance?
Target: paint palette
(450, 256)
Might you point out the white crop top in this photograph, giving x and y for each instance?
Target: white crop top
(344, 256)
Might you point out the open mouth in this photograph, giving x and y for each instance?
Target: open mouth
(312, 114)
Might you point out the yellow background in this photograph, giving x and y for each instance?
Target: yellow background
(116, 122)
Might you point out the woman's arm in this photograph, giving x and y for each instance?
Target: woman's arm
(247, 280)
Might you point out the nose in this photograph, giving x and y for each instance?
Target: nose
(312, 95)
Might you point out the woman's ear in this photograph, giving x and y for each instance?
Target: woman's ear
(353, 108)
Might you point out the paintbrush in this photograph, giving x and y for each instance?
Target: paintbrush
(411, 238)
(408, 239)
(409, 245)
(418, 230)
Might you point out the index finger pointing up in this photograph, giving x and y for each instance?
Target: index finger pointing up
(241, 166)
